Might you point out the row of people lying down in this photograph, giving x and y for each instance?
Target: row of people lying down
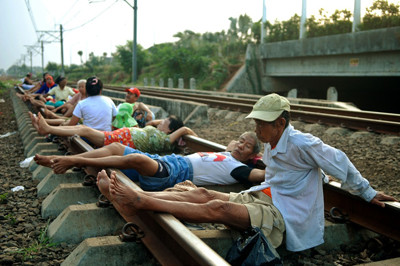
(91, 108)
(52, 93)
(289, 200)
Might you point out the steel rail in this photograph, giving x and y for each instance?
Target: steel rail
(384, 221)
(300, 107)
(312, 105)
(377, 122)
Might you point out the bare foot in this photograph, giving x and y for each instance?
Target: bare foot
(103, 183)
(34, 120)
(43, 127)
(61, 164)
(126, 200)
(21, 96)
(45, 160)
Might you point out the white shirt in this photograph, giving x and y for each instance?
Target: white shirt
(96, 111)
(211, 168)
(294, 174)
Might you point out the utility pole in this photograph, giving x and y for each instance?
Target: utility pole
(303, 19)
(60, 38)
(356, 16)
(30, 55)
(62, 50)
(134, 48)
(41, 44)
(264, 19)
(30, 49)
(134, 42)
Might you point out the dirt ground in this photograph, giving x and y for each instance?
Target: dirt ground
(23, 238)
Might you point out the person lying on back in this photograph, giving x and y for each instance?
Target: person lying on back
(158, 136)
(155, 172)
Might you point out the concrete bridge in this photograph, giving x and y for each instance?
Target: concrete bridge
(353, 62)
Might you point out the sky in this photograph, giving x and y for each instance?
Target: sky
(98, 26)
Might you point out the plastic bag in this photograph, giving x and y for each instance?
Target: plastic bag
(253, 248)
(7, 134)
(17, 188)
(25, 163)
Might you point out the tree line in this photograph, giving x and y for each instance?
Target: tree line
(212, 58)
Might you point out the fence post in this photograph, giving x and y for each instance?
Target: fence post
(180, 83)
(332, 94)
(161, 83)
(192, 83)
(153, 82)
(292, 93)
(145, 82)
(170, 83)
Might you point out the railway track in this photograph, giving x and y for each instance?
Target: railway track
(184, 247)
(310, 111)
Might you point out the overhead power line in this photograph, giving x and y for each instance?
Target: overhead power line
(98, 15)
(28, 6)
(68, 11)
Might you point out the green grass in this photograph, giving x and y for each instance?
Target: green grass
(38, 245)
(3, 198)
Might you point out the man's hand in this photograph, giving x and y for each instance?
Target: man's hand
(190, 132)
(377, 200)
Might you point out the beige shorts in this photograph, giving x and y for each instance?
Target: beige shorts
(263, 214)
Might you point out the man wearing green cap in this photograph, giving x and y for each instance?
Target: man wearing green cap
(295, 170)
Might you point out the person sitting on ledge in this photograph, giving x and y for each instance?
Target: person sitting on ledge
(155, 172)
(141, 112)
(64, 111)
(158, 136)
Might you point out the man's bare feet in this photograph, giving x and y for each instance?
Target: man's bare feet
(43, 127)
(61, 164)
(45, 160)
(103, 183)
(125, 199)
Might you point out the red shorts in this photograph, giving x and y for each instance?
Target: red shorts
(122, 135)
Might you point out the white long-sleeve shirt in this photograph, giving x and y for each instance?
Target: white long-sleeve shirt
(294, 174)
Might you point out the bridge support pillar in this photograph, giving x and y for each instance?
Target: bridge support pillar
(332, 94)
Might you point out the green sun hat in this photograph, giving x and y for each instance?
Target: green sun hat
(124, 117)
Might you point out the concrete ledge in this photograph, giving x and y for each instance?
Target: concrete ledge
(42, 147)
(219, 240)
(67, 194)
(33, 166)
(28, 134)
(109, 250)
(51, 181)
(33, 141)
(337, 234)
(188, 111)
(41, 172)
(78, 222)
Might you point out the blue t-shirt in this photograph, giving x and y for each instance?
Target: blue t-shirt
(44, 89)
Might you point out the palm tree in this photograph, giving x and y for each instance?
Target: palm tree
(80, 53)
